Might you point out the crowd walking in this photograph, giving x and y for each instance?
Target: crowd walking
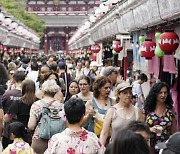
(74, 106)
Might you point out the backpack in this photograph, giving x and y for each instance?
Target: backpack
(51, 122)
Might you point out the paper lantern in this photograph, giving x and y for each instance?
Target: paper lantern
(141, 40)
(1, 47)
(169, 42)
(147, 49)
(117, 46)
(158, 52)
(89, 51)
(114, 52)
(95, 48)
(82, 51)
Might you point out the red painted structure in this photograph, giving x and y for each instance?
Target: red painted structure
(62, 17)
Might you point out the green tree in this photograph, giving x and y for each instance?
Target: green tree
(17, 9)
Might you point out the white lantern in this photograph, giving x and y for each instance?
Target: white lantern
(97, 12)
(14, 25)
(24, 31)
(7, 21)
(19, 29)
(87, 24)
(1, 16)
(92, 18)
(112, 2)
(103, 7)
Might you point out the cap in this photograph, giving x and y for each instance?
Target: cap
(122, 86)
(93, 63)
(172, 144)
(61, 65)
(108, 70)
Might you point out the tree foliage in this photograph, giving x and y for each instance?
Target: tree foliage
(17, 9)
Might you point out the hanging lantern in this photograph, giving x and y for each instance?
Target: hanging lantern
(89, 51)
(95, 48)
(1, 47)
(5, 49)
(147, 49)
(117, 46)
(158, 52)
(9, 51)
(16, 51)
(169, 42)
(114, 52)
(141, 40)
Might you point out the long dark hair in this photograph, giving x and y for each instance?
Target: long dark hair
(68, 96)
(127, 142)
(3, 75)
(28, 92)
(150, 102)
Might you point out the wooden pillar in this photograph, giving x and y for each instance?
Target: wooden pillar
(45, 44)
(66, 44)
(125, 67)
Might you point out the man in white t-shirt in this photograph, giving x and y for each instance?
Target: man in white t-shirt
(87, 67)
(137, 90)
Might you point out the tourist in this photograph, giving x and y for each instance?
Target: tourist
(128, 142)
(50, 88)
(159, 115)
(121, 114)
(74, 139)
(97, 107)
(17, 133)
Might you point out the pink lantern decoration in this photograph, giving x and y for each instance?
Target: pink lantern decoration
(16, 51)
(5, 48)
(117, 46)
(169, 42)
(1, 47)
(95, 48)
(89, 51)
(147, 49)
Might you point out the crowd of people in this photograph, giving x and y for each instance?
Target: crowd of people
(76, 106)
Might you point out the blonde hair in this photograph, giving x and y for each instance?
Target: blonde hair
(50, 86)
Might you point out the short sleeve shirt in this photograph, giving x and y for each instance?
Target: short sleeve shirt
(137, 91)
(36, 111)
(20, 110)
(71, 142)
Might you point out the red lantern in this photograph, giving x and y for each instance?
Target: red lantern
(5, 48)
(169, 42)
(9, 51)
(89, 51)
(95, 48)
(147, 49)
(1, 48)
(16, 51)
(117, 46)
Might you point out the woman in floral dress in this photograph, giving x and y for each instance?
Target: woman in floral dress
(159, 114)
